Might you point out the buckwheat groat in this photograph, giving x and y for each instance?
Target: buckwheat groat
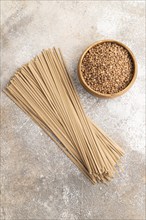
(107, 68)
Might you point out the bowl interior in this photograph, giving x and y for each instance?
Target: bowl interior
(96, 93)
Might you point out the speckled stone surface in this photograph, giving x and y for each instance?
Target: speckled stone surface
(38, 181)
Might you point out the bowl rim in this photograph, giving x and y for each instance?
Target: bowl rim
(90, 90)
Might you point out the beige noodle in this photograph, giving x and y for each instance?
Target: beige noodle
(43, 89)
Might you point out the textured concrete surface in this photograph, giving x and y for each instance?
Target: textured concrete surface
(38, 181)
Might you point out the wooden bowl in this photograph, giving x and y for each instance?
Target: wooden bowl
(89, 89)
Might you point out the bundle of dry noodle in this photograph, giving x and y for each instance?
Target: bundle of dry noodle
(43, 89)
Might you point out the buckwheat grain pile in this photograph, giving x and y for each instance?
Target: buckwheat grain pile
(107, 68)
